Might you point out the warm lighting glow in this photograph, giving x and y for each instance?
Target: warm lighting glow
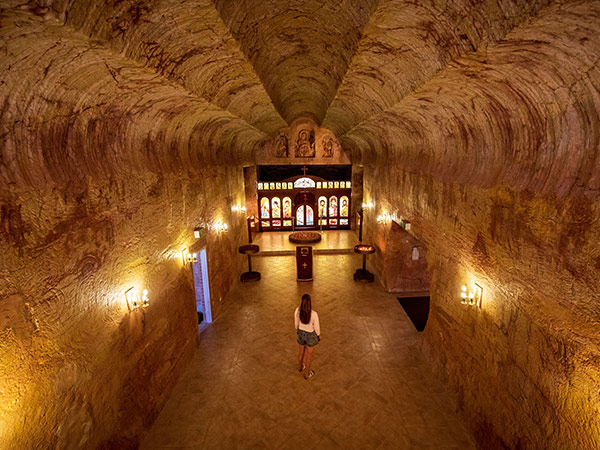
(189, 257)
(134, 300)
(221, 227)
(238, 208)
(368, 205)
(472, 296)
(145, 300)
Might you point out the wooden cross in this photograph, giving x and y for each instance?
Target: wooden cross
(304, 169)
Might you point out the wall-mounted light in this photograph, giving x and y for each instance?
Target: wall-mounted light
(238, 208)
(386, 218)
(189, 257)
(221, 227)
(134, 300)
(368, 205)
(472, 296)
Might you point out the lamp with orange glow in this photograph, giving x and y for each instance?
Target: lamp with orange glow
(472, 296)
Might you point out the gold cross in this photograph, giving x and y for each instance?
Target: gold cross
(304, 169)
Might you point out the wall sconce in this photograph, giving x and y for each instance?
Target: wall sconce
(473, 296)
(240, 209)
(134, 300)
(368, 205)
(221, 227)
(385, 218)
(189, 257)
(199, 232)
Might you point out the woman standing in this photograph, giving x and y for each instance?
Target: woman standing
(309, 334)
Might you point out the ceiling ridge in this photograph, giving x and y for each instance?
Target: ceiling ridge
(474, 55)
(123, 48)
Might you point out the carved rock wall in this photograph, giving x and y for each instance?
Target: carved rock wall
(77, 369)
(525, 367)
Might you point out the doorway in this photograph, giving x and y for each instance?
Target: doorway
(305, 211)
(200, 271)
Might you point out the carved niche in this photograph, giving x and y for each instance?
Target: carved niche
(305, 144)
(281, 145)
(327, 143)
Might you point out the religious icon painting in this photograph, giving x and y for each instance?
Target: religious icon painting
(322, 206)
(260, 186)
(323, 222)
(344, 206)
(348, 185)
(290, 185)
(264, 208)
(330, 183)
(271, 185)
(265, 223)
(333, 206)
(333, 222)
(300, 216)
(287, 208)
(343, 221)
(319, 185)
(275, 208)
(287, 223)
(309, 216)
(277, 223)
(336, 184)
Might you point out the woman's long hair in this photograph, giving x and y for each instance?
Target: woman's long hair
(305, 309)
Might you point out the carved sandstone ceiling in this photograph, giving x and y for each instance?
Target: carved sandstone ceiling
(490, 91)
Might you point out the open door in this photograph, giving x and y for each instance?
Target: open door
(200, 271)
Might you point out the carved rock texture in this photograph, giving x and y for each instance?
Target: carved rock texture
(524, 114)
(77, 368)
(125, 124)
(406, 43)
(300, 49)
(524, 366)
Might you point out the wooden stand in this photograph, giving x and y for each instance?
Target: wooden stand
(363, 275)
(304, 263)
(250, 275)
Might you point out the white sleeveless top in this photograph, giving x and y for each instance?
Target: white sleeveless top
(312, 325)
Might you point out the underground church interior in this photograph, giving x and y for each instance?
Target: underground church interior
(176, 175)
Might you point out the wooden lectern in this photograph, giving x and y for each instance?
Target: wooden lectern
(304, 263)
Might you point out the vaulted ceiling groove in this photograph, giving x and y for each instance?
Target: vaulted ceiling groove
(188, 43)
(75, 109)
(407, 43)
(300, 50)
(534, 95)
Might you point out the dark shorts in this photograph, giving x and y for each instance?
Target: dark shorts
(307, 338)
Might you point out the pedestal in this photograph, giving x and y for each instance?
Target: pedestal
(363, 275)
(304, 263)
(248, 250)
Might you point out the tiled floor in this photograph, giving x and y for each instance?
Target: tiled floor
(372, 388)
(330, 239)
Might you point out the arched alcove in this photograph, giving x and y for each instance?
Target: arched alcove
(404, 267)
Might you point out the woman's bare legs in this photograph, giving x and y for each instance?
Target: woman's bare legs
(307, 361)
(301, 350)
